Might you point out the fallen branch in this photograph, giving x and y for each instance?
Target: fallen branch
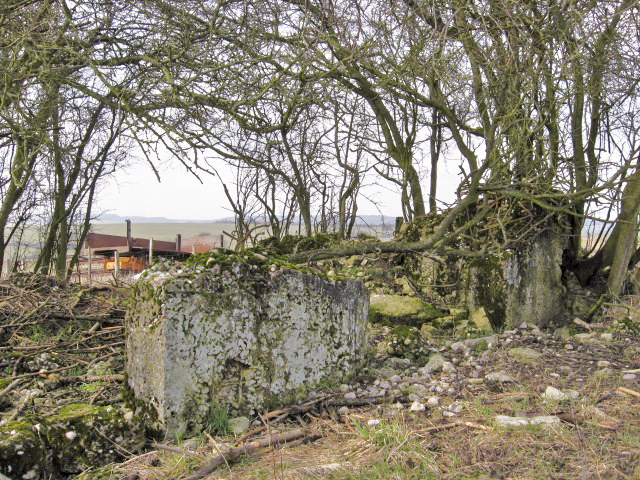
(168, 448)
(628, 391)
(636, 370)
(588, 326)
(90, 378)
(324, 402)
(10, 387)
(231, 455)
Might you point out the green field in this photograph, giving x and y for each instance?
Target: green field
(164, 231)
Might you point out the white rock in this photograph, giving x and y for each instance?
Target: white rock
(447, 413)
(374, 422)
(506, 421)
(350, 396)
(552, 393)
(70, 435)
(384, 384)
(433, 401)
(629, 376)
(544, 419)
(448, 367)
(343, 410)
(344, 388)
(456, 407)
(500, 376)
(395, 379)
(417, 407)
(603, 364)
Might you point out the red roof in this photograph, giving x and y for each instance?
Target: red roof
(101, 241)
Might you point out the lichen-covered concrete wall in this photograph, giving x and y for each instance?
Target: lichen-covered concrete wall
(520, 286)
(242, 336)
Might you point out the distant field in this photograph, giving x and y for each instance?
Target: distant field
(168, 231)
(164, 231)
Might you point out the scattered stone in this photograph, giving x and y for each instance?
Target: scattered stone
(447, 413)
(395, 379)
(344, 388)
(603, 364)
(568, 346)
(524, 355)
(350, 396)
(489, 341)
(475, 381)
(456, 407)
(544, 419)
(70, 436)
(435, 364)
(629, 376)
(500, 376)
(433, 401)
(343, 410)
(603, 373)
(417, 407)
(552, 393)
(239, 425)
(606, 337)
(506, 421)
(447, 367)
(374, 422)
(586, 338)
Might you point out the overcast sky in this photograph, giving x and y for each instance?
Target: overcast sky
(179, 195)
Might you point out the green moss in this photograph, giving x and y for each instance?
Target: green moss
(399, 309)
(84, 435)
(22, 450)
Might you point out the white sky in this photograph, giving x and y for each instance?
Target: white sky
(136, 192)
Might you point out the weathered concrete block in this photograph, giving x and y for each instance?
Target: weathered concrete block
(239, 335)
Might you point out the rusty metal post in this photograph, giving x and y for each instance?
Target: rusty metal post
(178, 243)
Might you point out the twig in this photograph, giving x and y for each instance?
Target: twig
(636, 370)
(628, 391)
(233, 454)
(168, 448)
(10, 387)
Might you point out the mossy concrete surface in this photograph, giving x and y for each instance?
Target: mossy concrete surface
(23, 451)
(77, 437)
(247, 336)
(401, 309)
(81, 436)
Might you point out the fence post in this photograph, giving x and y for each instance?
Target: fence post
(89, 269)
(116, 264)
(150, 251)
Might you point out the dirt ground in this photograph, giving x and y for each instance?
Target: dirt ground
(398, 420)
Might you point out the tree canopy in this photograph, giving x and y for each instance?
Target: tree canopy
(309, 101)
